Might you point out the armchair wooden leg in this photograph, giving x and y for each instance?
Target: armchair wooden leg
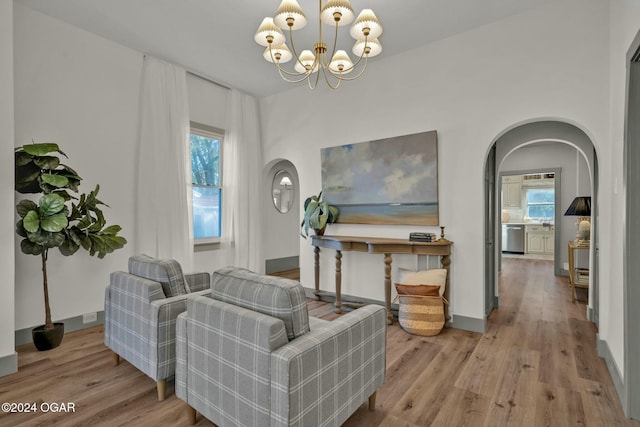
(116, 358)
(191, 414)
(161, 386)
(372, 401)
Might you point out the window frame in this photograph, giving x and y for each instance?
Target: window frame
(211, 132)
(552, 203)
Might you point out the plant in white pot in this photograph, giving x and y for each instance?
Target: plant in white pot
(317, 214)
(57, 219)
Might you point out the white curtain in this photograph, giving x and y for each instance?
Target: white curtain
(241, 184)
(164, 226)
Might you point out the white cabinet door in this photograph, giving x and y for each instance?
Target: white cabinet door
(535, 243)
(540, 240)
(511, 194)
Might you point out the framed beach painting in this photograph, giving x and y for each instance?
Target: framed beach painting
(387, 181)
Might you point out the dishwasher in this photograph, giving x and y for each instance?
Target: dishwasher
(513, 238)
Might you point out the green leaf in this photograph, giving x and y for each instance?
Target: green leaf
(317, 214)
(55, 180)
(97, 245)
(25, 206)
(51, 204)
(22, 158)
(69, 170)
(85, 242)
(27, 178)
(65, 195)
(84, 223)
(114, 242)
(20, 231)
(111, 230)
(31, 222)
(47, 162)
(54, 223)
(41, 149)
(74, 236)
(30, 248)
(73, 184)
(96, 227)
(333, 214)
(309, 200)
(69, 247)
(51, 222)
(47, 239)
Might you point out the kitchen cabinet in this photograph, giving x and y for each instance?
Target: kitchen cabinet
(511, 191)
(540, 239)
(538, 180)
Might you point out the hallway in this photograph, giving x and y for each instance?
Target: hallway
(536, 365)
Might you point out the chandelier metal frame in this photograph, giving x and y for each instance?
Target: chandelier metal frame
(289, 17)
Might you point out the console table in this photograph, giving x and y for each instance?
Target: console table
(578, 277)
(377, 245)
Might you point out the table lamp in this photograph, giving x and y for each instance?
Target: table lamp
(581, 207)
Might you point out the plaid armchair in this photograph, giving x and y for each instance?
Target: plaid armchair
(249, 355)
(140, 310)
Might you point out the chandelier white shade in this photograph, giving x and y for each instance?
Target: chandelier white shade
(334, 64)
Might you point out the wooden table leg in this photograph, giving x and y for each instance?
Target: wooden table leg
(572, 271)
(316, 252)
(387, 287)
(338, 282)
(446, 261)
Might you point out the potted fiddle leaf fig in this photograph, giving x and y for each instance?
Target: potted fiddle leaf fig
(57, 219)
(317, 214)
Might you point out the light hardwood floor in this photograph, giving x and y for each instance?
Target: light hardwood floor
(535, 366)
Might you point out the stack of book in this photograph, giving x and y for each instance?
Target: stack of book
(582, 276)
(422, 237)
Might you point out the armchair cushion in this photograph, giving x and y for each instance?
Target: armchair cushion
(165, 271)
(274, 296)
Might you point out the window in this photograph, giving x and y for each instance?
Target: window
(206, 173)
(541, 203)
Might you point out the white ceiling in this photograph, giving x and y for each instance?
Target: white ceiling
(214, 38)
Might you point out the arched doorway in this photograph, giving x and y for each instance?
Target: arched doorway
(281, 201)
(519, 137)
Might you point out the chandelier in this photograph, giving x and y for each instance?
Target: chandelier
(335, 13)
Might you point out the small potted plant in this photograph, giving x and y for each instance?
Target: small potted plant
(317, 214)
(57, 220)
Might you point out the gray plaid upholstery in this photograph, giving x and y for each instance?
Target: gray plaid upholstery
(228, 360)
(198, 282)
(139, 322)
(274, 296)
(236, 368)
(165, 271)
(321, 378)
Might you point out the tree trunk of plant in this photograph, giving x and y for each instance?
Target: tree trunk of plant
(48, 324)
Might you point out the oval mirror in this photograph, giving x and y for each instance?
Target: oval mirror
(283, 191)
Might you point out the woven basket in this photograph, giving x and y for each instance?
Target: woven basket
(421, 315)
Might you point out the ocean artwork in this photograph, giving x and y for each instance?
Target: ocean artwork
(387, 181)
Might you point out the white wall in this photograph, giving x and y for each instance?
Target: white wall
(7, 268)
(624, 26)
(470, 88)
(80, 91)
